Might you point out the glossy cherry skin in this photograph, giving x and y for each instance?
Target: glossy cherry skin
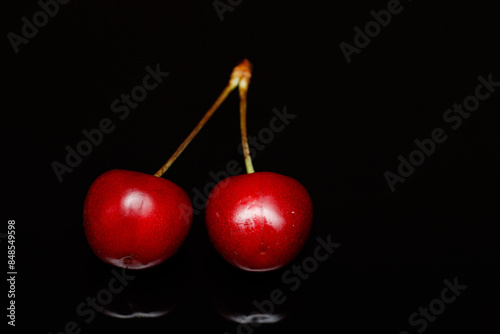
(135, 220)
(259, 221)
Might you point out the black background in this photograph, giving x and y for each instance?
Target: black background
(353, 121)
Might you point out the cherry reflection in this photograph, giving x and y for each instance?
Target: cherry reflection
(149, 293)
(244, 297)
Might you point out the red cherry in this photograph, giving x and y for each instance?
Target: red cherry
(135, 220)
(259, 221)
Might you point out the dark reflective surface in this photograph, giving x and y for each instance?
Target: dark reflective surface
(149, 293)
(244, 297)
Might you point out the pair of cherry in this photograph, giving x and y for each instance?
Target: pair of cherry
(257, 221)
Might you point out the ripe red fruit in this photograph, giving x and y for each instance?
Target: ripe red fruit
(259, 221)
(135, 220)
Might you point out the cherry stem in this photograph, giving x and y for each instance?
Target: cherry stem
(243, 89)
(237, 74)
